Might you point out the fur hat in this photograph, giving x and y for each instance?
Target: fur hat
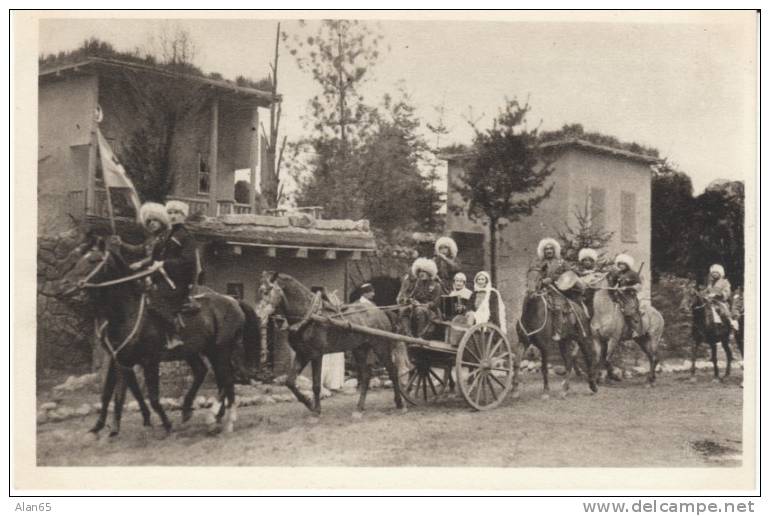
(178, 205)
(153, 211)
(718, 268)
(624, 258)
(425, 264)
(448, 242)
(546, 242)
(587, 252)
(367, 287)
(460, 276)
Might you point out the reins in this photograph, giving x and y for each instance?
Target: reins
(104, 338)
(545, 319)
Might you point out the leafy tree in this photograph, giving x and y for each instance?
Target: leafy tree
(582, 234)
(670, 212)
(340, 57)
(504, 177)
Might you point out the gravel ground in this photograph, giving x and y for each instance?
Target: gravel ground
(675, 424)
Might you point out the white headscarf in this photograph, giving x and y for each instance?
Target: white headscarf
(482, 313)
(463, 293)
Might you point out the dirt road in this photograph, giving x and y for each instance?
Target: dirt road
(673, 424)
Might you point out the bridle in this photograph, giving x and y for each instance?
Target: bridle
(540, 295)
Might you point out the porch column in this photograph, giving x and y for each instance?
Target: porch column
(213, 150)
(90, 197)
(253, 158)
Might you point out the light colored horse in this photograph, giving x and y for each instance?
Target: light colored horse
(608, 327)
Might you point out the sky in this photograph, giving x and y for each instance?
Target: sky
(685, 86)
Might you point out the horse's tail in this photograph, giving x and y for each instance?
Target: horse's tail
(251, 336)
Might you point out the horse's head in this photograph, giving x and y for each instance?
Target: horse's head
(272, 296)
(97, 262)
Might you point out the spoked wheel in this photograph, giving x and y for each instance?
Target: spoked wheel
(484, 366)
(424, 383)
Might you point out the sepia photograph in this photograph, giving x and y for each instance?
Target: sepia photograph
(388, 240)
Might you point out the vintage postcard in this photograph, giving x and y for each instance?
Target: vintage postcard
(348, 250)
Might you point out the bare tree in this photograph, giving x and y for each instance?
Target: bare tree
(272, 171)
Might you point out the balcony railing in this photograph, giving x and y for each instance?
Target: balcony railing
(231, 207)
(196, 205)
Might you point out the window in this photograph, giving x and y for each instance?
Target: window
(204, 179)
(235, 290)
(627, 217)
(598, 208)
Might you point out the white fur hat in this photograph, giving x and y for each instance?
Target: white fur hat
(425, 264)
(718, 268)
(178, 205)
(153, 210)
(627, 259)
(546, 242)
(587, 252)
(446, 241)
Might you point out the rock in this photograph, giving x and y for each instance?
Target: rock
(524, 364)
(387, 384)
(375, 383)
(627, 374)
(303, 382)
(280, 380)
(306, 393)
(560, 370)
(350, 383)
(325, 393)
(268, 400)
(133, 406)
(199, 402)
(42, 417)
(49, 405)
(83, 410)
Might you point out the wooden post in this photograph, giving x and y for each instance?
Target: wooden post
(213, 150)
(253, 158)
(90, 199)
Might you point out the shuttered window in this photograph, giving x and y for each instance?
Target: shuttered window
(627, 217)
(598, 208)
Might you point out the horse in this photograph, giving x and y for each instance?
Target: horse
(706, 328)
(608, 327)
(134, 337)
(284, 296)
(535, 327)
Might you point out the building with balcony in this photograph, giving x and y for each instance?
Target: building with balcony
(210, 143)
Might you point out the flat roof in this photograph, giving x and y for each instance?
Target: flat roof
(578, 143)
(263, 98)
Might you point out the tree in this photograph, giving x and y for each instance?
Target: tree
(505, 173)
(583, 235)
(339, 57)
(272, 171)
(670, 212)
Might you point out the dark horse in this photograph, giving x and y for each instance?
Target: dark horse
(536, 328)
(133, 336)
(705, 328)
(285, 296)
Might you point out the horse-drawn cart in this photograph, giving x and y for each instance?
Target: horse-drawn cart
(483, 363)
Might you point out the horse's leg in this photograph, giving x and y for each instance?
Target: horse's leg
(587, 348)
(565, 348)
(544, 368)
(360, 355)
(228, 391)
(645, 343)
(728, 354)
(120, 398)
(316, 366)
(713, 345)
(693, 358)
(133, 386)
(291, 380)
(199, 370)
(518, 353)
(152, 380)
(107, 390)
(384, 354)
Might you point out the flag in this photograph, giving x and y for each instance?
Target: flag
(114, 174)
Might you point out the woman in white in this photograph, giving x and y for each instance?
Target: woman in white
(486, 303)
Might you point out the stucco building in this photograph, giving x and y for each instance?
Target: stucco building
(617, 185)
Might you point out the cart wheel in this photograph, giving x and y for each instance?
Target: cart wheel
(484, 366)
(422, 383)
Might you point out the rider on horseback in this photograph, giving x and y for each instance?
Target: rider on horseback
(422, 291)
(155, 221)
(628, 284)
(718, 291)
(446, 262)
(585, 268)
(548, 268)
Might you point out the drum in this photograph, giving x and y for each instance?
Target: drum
(566, 281)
